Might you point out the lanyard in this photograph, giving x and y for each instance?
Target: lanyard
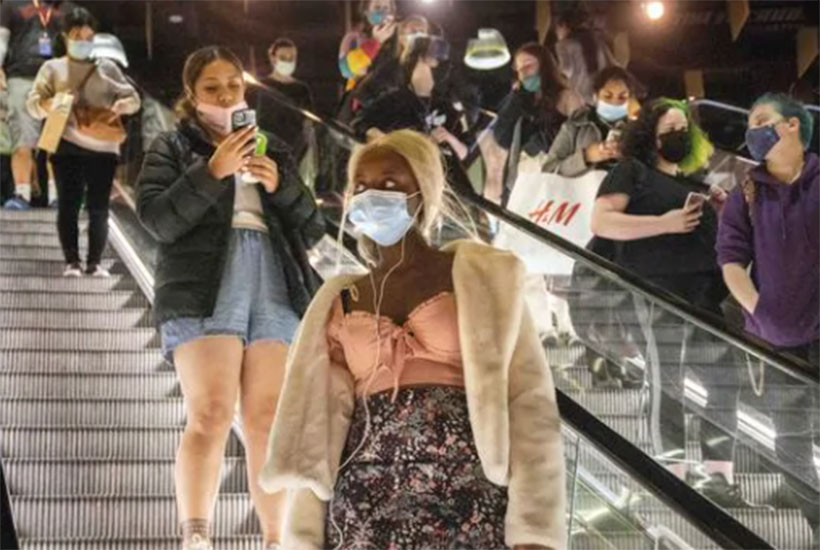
(44, 19)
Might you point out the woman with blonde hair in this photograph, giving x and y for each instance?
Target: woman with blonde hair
(433, 421)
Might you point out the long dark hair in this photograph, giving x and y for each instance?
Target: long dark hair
(194, 65)
(553, 81)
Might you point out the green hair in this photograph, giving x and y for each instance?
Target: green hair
(640, 138)
(789, 107)
(702, 149)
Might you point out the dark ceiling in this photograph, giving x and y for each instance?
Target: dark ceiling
(693, 34)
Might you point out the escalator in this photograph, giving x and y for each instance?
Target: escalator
(91, 414)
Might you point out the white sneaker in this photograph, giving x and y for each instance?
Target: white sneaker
(73, 270)
(198, 542)
(97, 271)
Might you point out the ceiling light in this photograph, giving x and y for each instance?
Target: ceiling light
(487, 52)
(654, 10)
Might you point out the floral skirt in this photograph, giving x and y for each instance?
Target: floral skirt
(416, 482)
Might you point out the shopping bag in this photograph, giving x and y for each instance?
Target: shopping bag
(557, 203)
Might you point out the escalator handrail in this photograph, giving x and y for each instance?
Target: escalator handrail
(735, 108)
(696, 509)
(8, 531)
(713, 521)
(747, 343)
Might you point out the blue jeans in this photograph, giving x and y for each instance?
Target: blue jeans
(252, 302)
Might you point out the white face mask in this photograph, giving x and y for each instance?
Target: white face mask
(79, 49)
(285, 68)
(218, 118)
(381, 215)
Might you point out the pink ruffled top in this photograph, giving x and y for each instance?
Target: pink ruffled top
(425, 350)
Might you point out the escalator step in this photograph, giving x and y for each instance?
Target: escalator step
(35, 239)
(81, 285)
(125, 318)
(786, 529)
(156, 413)
(23, 268)
(621, 402)
(84, 386)
(28, 228)
(113, 300)
(85, 361)
(40, 253)
(610, 541)
(69, 340)
(241, 542)
(118, 517)
(96, 442)
(108, 477)
(12, 217)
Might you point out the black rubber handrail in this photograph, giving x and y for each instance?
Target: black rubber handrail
(8, 531)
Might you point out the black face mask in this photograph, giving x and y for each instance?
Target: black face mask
(675, 145)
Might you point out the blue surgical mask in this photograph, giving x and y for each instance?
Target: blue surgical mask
(532, 83)
(760, 141)
(79, 49)
(381, 215)
(376, 17)
(610, 112)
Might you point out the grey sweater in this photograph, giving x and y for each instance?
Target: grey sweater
(105, 86)
(566, 154)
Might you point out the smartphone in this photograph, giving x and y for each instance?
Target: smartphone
(613, 135)
(695, 199)
(242, 119)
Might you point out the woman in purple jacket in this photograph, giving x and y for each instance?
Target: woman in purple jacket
(772, 222)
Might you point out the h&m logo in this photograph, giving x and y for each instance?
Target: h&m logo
(548, 213)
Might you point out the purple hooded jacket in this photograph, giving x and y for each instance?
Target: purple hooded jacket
(783, 245)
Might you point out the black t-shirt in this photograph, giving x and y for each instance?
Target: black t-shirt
(24, 58)
(278, 119)
(538, 128)
(653, 193)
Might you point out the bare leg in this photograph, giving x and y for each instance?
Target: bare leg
(263, 372)
(209, 372)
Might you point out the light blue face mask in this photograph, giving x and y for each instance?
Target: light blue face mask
(79, 49)
(610, 112)
(381, 215)
(376, 17)
(532, 83)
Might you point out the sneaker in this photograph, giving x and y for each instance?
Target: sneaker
(73, 270)
(197, 542)
(17, 203)
(717, 489)
(96, 270)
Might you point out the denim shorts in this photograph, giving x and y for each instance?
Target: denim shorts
(252, 302)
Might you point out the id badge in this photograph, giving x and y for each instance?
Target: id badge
(44, 46)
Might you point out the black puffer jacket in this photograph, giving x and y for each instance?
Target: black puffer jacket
(190, 214)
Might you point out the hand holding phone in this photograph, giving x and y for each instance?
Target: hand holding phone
(246, 118)
(695, 201)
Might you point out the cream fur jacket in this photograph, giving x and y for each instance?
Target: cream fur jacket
(510, 398)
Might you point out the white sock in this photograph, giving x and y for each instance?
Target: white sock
(52, 190)
(24, 190)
